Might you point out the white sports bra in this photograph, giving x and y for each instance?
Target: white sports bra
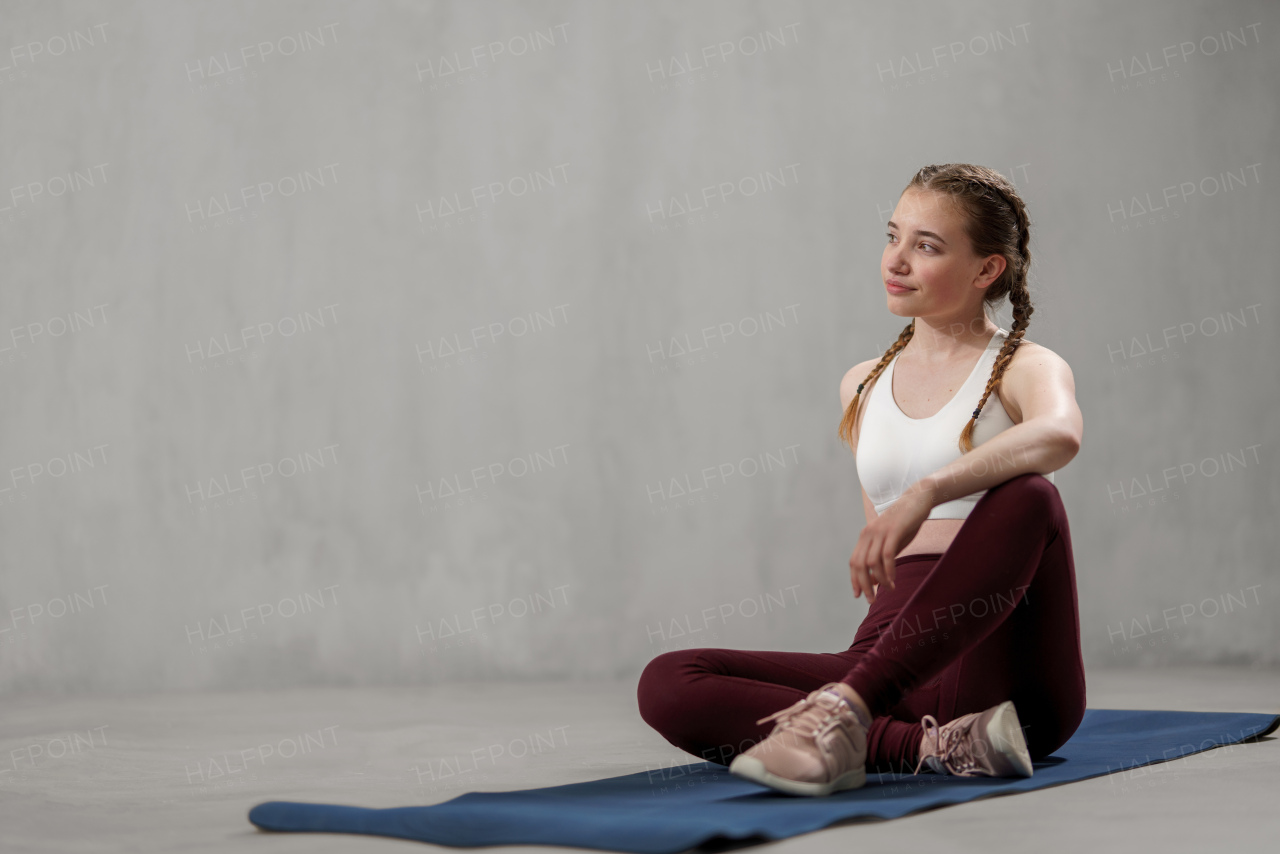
(894, 451)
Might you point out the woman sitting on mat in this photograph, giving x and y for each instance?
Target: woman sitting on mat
(965, 559)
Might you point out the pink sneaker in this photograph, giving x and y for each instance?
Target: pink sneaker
(982, 744)
(818, 746)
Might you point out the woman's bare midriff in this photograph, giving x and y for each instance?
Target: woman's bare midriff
(934, 536)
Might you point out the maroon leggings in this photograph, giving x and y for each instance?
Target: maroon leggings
(992, 618)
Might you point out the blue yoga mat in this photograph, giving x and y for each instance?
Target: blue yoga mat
(674, 809)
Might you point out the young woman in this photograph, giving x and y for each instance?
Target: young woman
(968, 660)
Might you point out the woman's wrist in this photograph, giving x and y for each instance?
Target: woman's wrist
(928, 489)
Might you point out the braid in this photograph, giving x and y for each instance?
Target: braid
(1019, 299)
(851, 413)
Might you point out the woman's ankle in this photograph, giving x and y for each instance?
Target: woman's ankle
(855, 700)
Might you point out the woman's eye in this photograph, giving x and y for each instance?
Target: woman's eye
(930, 245)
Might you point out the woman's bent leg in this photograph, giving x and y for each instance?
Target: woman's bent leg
(996, 617)
(707, 701)
(1034, 657)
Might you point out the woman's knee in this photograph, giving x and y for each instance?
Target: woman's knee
(1031, 492)
(1046, 732)
(1030, 485)
(659, 685)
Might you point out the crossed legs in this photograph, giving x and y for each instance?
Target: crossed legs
(993, 618)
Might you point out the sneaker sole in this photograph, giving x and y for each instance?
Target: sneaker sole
(1004, 732)
(751, 768)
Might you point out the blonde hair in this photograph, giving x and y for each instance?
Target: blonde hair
(996, 223)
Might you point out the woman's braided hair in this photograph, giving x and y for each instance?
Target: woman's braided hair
(996, 222)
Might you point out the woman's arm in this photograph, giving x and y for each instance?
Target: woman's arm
(1039, 385)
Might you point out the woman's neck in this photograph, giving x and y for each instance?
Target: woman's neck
(942, 341)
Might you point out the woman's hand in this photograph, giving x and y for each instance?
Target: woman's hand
(883, 537)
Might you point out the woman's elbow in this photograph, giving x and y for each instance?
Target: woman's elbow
(1068, 442)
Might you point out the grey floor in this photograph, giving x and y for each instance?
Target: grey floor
(178, 773)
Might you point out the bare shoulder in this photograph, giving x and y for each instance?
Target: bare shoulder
(855, 375)
(1036, 378)
(1036, 361)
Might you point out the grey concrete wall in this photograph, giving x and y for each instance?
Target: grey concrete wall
(345, 342)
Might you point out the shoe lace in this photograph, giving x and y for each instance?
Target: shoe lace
(951, 751)
(813, 715)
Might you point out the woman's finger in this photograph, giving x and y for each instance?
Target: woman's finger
(865, 576)
(858, 563)
(886, 565)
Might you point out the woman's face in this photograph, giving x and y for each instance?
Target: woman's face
(927, 251)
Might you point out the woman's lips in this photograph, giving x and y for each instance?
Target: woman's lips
(893, 287)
